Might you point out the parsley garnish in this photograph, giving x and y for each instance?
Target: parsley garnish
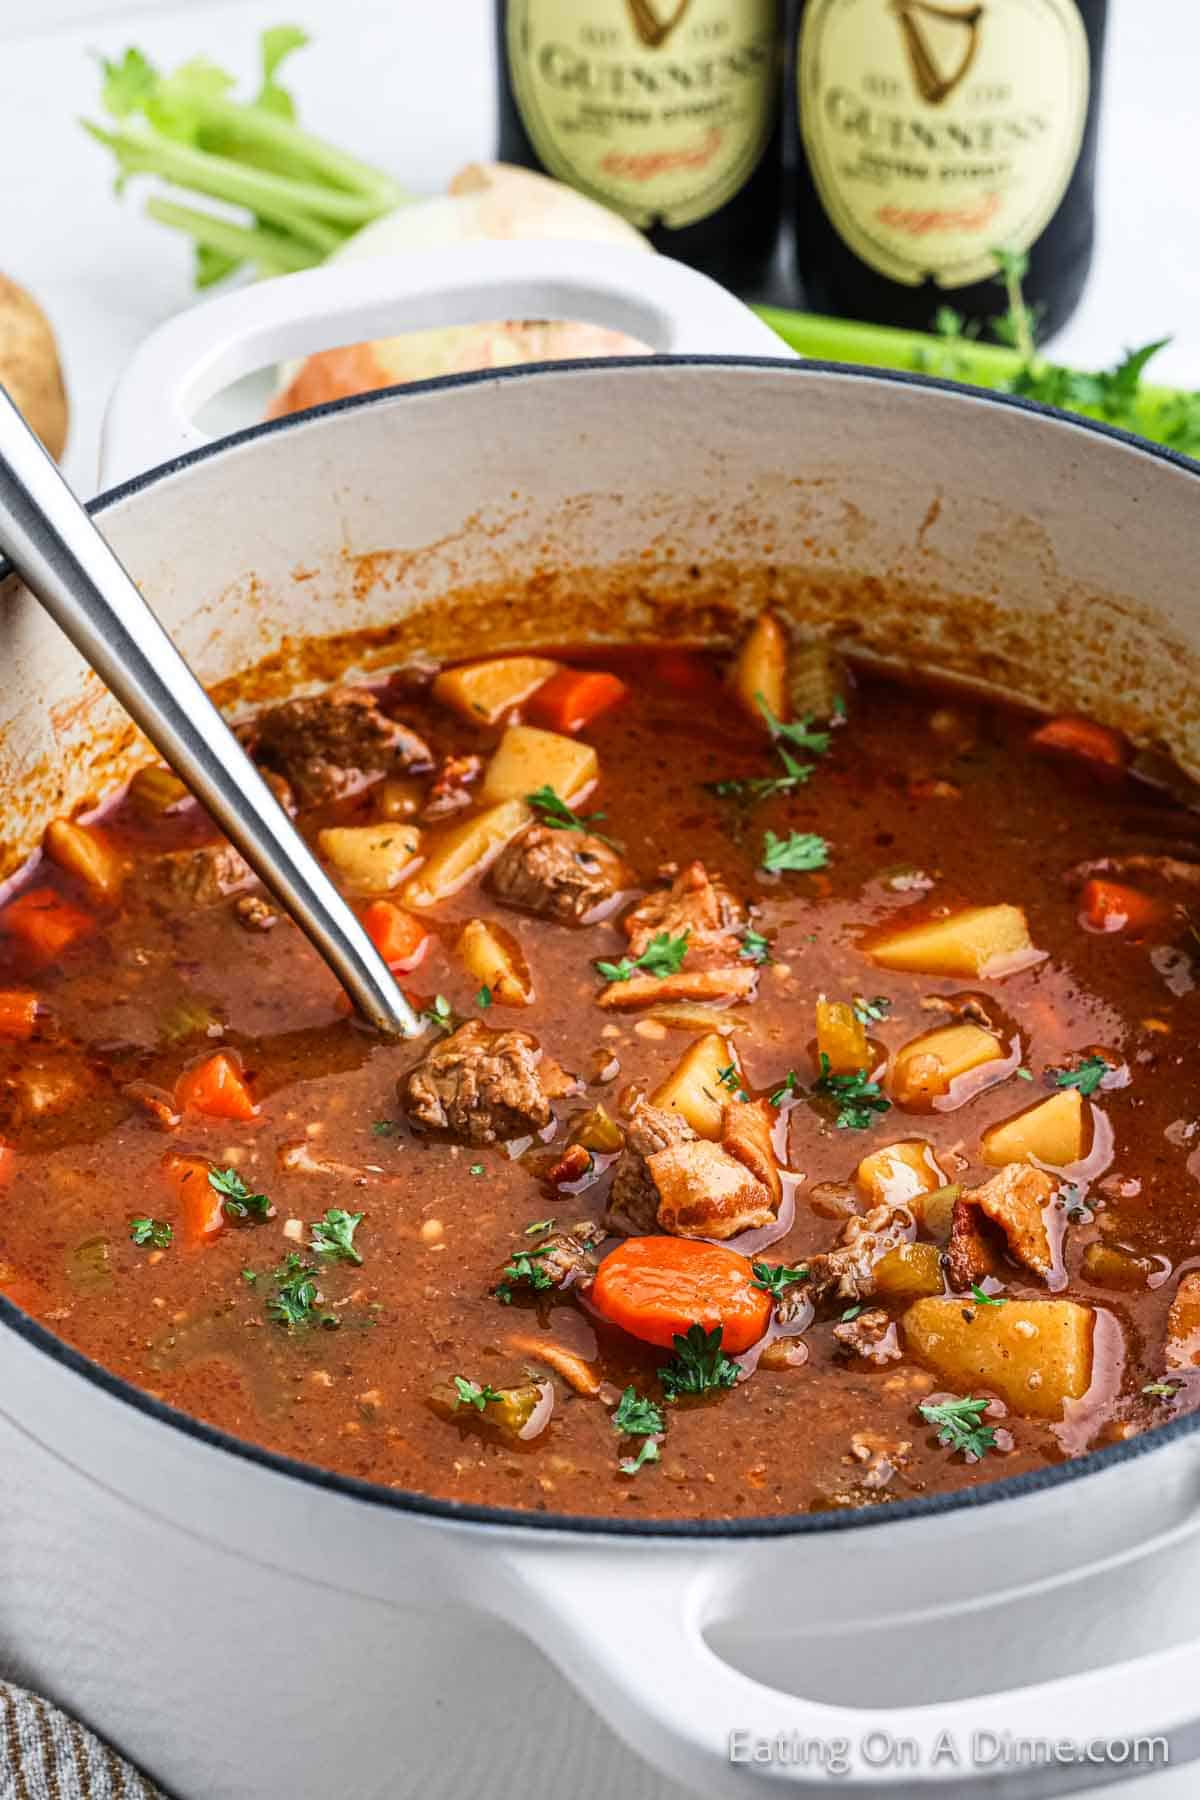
(858, 1097)
(698, 1365)
(440, 1015)
(538, 1226)
(798, 853)
(789, 1085)
(960, 1424)
(524, 1270)
(798, 733)
(384, 1127)
(484, 997)
(475, 1169)
(1163, 1390)
(870, 1012)
(295, 1298)
(647, 1453)
(755, 947)
(1024, 1074)
(851, 1312)
(556, 812)
(730, 1077)
(663, 955)
(1087, 1077)
(471, 1394)
(774, 1278)
(150, 1231)
(983, 1298)
(636, 1417)
(237, 1202)
(333, 1236)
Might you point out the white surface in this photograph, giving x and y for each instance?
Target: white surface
(409, 85)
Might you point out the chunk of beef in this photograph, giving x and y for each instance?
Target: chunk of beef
(332, 744)
(566, 1258)
(570, 876)
(975, 1007)
(633, 1197)
(705, 1192)
(451, 787)
(1015, 1199)
(972, 1253)
(484, 1086)
(871, 1335)
(848, 1270)
(1183, 1324)
(697, 904)
(203, 876)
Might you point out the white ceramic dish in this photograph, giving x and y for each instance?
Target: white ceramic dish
(243, 1626)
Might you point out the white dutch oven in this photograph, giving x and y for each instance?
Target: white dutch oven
(244, 1626)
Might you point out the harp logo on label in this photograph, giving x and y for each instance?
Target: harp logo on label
(944, 1749)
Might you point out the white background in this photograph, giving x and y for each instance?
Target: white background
(408, 84)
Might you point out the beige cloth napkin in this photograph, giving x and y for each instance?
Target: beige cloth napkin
(47, 1756)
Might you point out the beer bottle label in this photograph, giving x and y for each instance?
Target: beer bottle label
(660, 109)
(938, 132)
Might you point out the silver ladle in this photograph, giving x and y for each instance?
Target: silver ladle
(62, 558)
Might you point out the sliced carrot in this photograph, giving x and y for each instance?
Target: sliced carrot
(45, 922)
(400, 939)
(217, 1088)
(18, 1013)
(1083, 737)
(571, 699)
(655, 1288)
(200, 1208)
(1110, 906)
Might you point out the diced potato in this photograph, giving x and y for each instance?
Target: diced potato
(484, 691)
(527, 759)
(370, 859)
(493, 957)
(841, 1037)
(982, 940)
(465, 850)
(909, 1271)
(1110, 1266)
(923, 1069)
(1036, 1354)
(694, 1087)
(900, 1174)
(1051, 1132)
(761, 668)
(85, 853)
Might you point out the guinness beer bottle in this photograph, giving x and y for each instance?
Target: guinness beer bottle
(932, 133)
(667, 111)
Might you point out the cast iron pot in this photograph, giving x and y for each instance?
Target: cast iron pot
(243, 1625)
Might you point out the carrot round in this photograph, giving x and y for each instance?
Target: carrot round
(199, 1207)
(1082, 737)
(217, 1088)
(45, 922)
(1111, 906)
(400, 939)
(574, 697)
(655, 1288)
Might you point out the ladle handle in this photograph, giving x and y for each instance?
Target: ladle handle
(62, 558)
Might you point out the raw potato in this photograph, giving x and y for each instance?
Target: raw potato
(1051, 1132)
(982, 940)
(841, 1036)
(465, 850)
(370, 859)
(761, 668)
(29, 366)
(1034, 1372)
(900, 1174)
(483, 692)
(923, 1069)
(493, 957)
(85, 853)
(694, 1088)
(909, 1271)
(527, 759)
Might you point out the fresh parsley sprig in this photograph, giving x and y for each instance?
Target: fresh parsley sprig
(557, 813)
(333, 1236)
(699, 1365)
(294, 1302)
(524, 1269)
(755, 948)
(471, 1393)
(799, 732)
(1086, 1077)
(662, 956)
(960, 1425)
(237, 1202)
(152, 1232)
(776, 1278)
(440, 1014)
(636, 1416)
(798, 853)
(858, 1097)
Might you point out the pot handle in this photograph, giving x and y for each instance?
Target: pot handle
(196, 355)
(636, 1649)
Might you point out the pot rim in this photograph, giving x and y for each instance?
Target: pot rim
(986, 1493)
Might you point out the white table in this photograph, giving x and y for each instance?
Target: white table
(409, 86)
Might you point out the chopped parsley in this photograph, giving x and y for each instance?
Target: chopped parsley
(637, 1417)
(524, 1270)
(483, 998)
(1163, 1390)
(333, 1236)
(294, 1302)
(471, 1394)
(699, 1364)
(870, 1012)
(788, 1086)
(440, 1015)
(755, 947)
(797, 853)
(960, 1425)
(983, 1298)
(475, 1169)
(647, 1453)
(1024, 1074)
(538, 1226)
(731, 1077)
(152, 1232)
(851, 1312)
(663, 955)
(775, 1278)
(1086, 1077)
(798, 733)
(237, 1202)
(384, 1127)
(858, 1097)
(749, 790)
(556, 812)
